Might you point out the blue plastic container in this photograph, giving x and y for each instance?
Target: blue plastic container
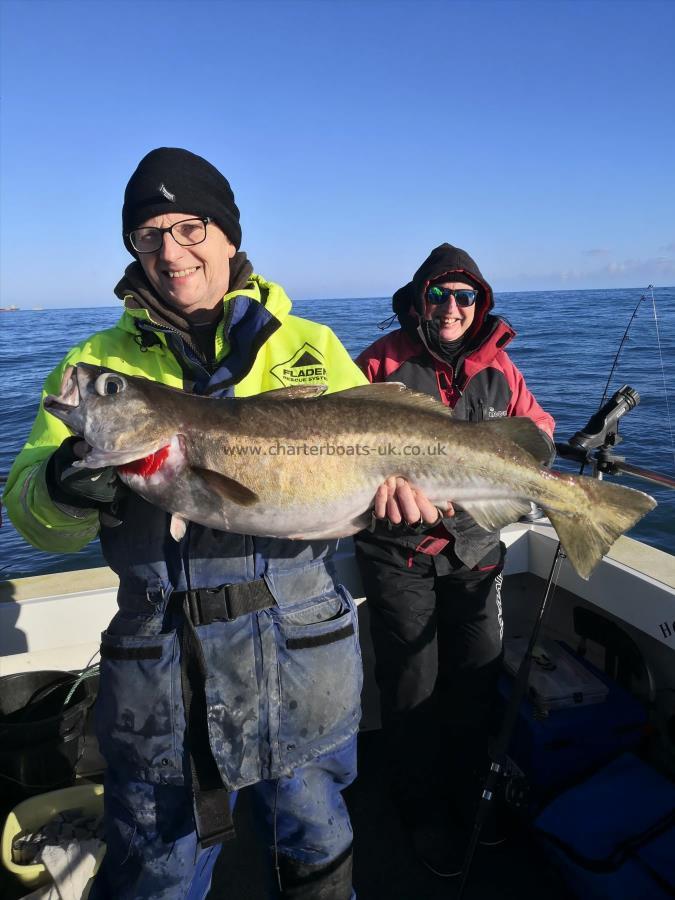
(566, 744)
(613, 835)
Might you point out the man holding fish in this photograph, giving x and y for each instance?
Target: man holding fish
(234, 659)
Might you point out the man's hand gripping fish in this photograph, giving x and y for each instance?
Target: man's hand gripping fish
(291, 464)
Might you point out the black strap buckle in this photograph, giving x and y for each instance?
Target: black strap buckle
(208, 605)
(227, 602)
(213, 818)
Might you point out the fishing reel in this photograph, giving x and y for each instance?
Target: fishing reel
(602, 429)
(593, 442)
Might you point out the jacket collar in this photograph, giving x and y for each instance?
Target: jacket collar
(136, 292)
(493, 337)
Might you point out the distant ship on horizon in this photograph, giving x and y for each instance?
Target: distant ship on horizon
(8, 308)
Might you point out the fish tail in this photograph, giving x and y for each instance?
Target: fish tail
(602, 513)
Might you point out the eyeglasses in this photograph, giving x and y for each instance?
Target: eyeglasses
(463, 298)
(187, 232)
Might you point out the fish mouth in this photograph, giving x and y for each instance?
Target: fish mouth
(68, 401)
(96, 458)
(77, 391)
(68, 405)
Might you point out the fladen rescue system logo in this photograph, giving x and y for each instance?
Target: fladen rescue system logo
(306, 366)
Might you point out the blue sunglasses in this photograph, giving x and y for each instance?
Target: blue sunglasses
(463, 298)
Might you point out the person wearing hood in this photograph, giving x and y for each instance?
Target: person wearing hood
(433, 577)
(233, 660)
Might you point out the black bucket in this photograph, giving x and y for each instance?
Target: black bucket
(41, 734)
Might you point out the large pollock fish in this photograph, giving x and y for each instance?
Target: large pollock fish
(293, 464)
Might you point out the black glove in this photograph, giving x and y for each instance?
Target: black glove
(82, 488)
(403, 528)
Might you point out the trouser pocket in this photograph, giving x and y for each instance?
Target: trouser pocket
(233, 699)
(139, 712)
(320, 677)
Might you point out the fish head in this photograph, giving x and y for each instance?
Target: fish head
(121, 417)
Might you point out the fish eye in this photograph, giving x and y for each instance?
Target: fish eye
(109, 384)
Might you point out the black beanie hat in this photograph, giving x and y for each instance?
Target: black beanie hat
(169, 179)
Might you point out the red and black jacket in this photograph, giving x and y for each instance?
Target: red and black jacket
(484, 384)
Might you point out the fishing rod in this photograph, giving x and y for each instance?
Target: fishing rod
(499, 751)
(621, 343)
(592, 444)
(632, 470)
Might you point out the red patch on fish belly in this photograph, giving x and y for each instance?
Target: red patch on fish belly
(148, 465)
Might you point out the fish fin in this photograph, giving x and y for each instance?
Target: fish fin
(523, 432)
(178, 528)
(297, 392)
(604, 512)
(493, 514)
(230, 490)
(392, 392)
(372, 390)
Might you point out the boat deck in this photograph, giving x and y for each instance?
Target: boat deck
(385, 867)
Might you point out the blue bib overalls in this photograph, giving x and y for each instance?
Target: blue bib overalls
(280, 707)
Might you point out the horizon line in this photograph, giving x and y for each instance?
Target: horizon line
(13, 307)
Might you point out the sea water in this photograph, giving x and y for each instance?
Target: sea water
(565, 346)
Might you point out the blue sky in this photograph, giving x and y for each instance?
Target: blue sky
(539, 136)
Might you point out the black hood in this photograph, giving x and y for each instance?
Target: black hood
(408, 301)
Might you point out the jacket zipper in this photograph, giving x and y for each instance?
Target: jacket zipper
(167, 330)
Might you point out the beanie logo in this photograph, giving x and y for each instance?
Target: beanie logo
(166, 193)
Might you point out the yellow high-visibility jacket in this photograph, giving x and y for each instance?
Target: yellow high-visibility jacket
(283, 350)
